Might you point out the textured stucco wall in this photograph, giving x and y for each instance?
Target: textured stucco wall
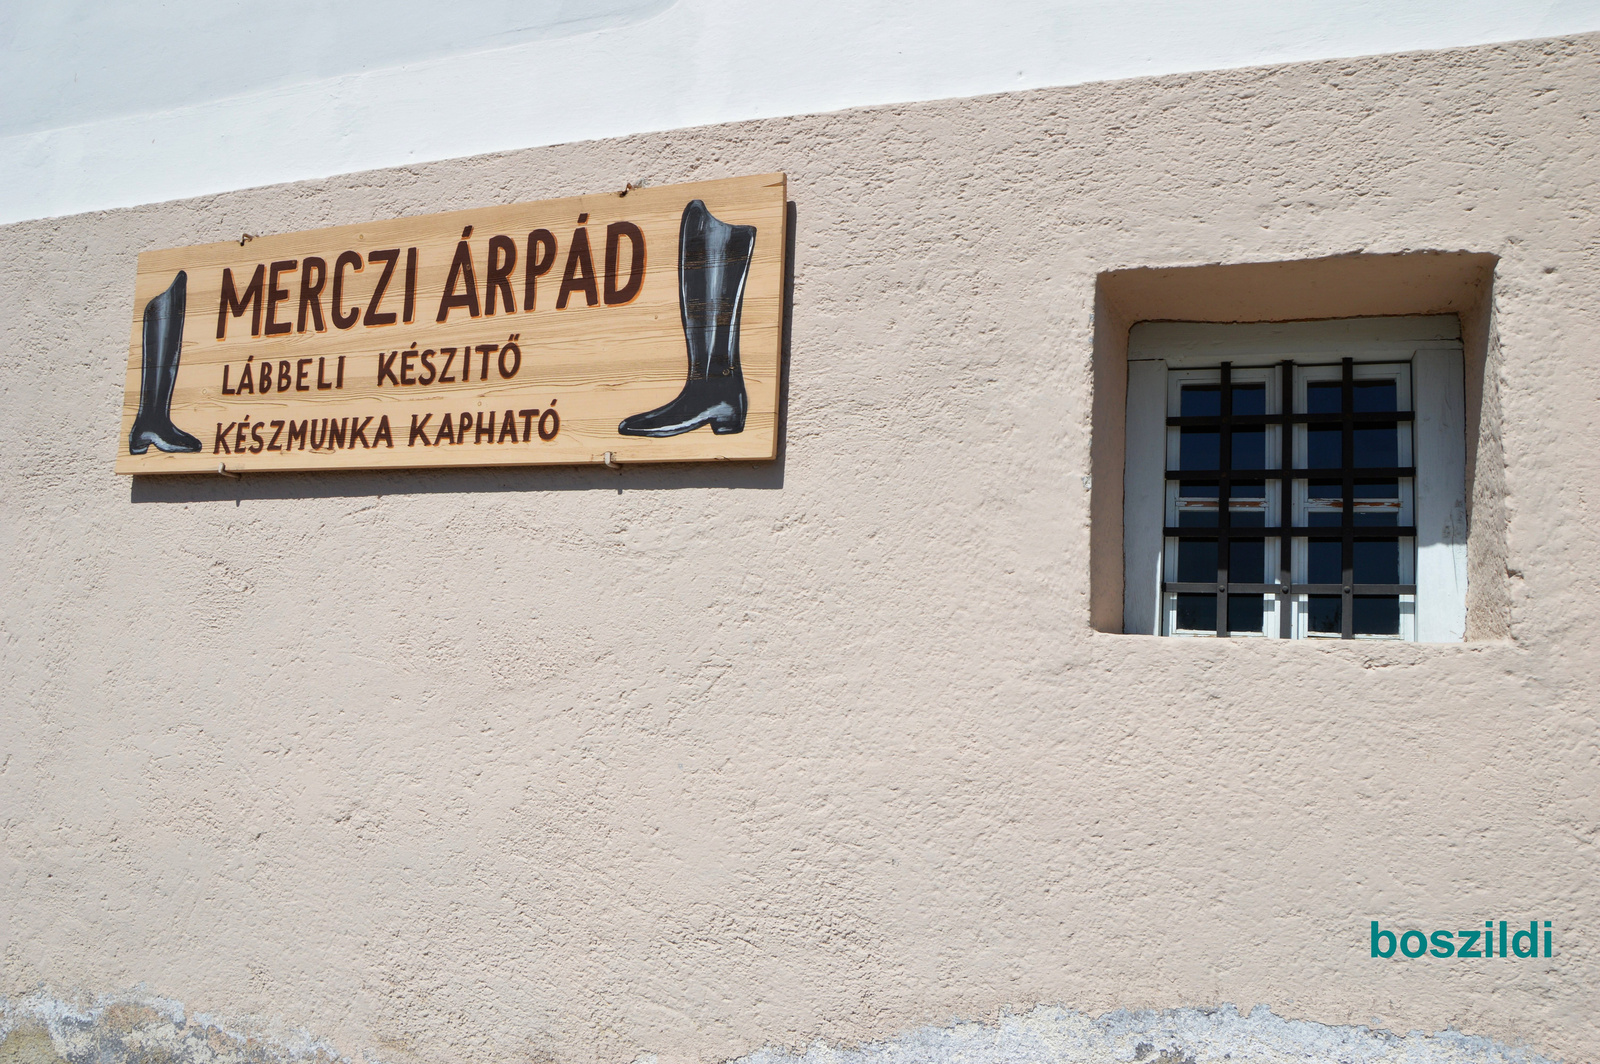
(573, 765)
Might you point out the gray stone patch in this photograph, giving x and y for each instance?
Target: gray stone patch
(1049, 1035)
(133, 1029)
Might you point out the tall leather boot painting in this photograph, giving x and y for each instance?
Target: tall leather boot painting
(163, 344)
(713, 263)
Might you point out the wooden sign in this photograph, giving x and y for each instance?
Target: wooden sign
(645, 323)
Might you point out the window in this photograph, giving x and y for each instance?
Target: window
(1296, 481)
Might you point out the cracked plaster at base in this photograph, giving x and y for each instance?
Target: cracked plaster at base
(1049, 1035)
(42, 1030)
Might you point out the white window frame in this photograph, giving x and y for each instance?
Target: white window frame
(1162, 354)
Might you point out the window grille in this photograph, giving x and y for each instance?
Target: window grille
(1289, 492)
(1302, 479)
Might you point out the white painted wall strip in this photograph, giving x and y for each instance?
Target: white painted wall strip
(147, 102)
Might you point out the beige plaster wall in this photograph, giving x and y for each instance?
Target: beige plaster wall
(573, 765)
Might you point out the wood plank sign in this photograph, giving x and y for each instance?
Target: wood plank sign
(645, 323)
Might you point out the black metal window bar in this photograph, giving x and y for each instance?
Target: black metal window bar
(1347, 608)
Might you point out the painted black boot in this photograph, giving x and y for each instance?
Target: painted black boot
(163, 343)
(713, 263)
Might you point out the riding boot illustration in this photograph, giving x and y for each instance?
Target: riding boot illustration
(713, 263)
(163, 344)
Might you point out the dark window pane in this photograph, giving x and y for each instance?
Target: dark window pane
(1244, 613)
(1377, 446)
(1324, 446)
(1383, 488)
(1248, 489)
(1323, 519)
(1377, 614)
(1325, 489)
(1199, 449)
(1198, 613)
(1375, 397)
(1197, 519)
(1250, 448)
(1247, 518)
(1197, 561)
(1201, 400)
(1376, 519)
(1325, 559)
(1204, 490)
(1324, 613)
(1249, 398)
(1324, 397)
(1246, 562)
(1377, 561)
